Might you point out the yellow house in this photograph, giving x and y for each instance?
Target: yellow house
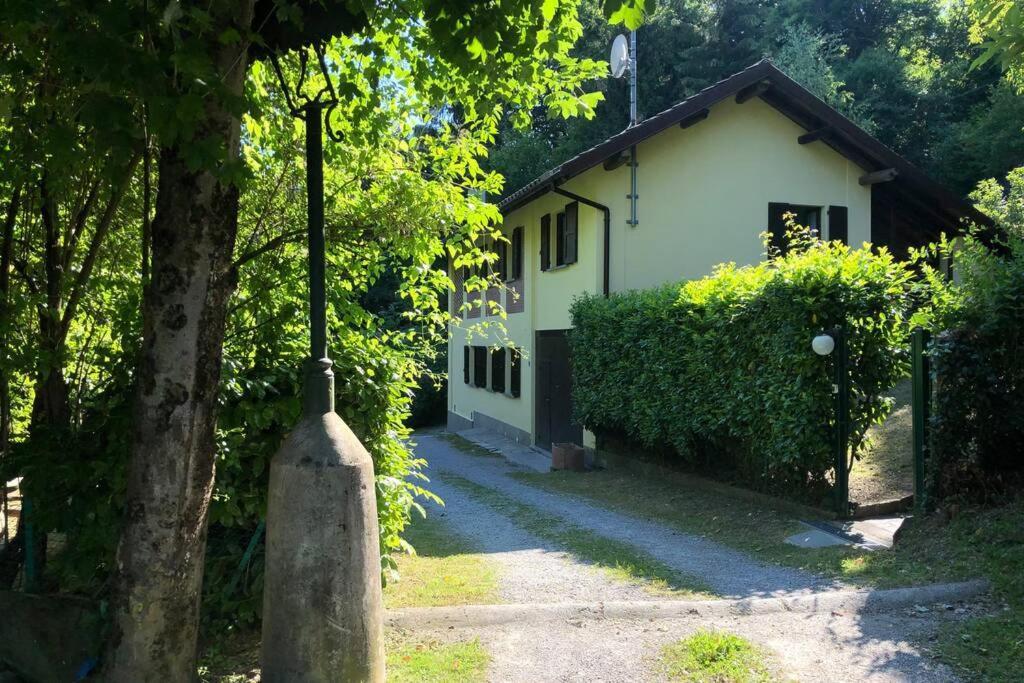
(711, 174)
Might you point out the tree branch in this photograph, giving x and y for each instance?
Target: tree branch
(281, 239)
(75, 229)
(98, 235)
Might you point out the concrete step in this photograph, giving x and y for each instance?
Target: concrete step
(870, 534)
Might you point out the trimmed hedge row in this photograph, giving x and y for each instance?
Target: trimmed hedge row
(721, 369)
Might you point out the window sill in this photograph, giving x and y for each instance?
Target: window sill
(561, 267)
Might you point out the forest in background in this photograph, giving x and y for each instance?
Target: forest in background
(899, 68)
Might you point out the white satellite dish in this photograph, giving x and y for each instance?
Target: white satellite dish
(619, 59)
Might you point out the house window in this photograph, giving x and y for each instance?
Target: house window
(480, 366)
(806, 216)
(838, 230)
(498, 370)
(465, 364)
(515, 378)
(545, 241)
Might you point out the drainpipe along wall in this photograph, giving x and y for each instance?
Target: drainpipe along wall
(607, 229)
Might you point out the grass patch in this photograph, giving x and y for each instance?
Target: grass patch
(437, 662)
(715, 657)
(466, 446)
(619, 560)
(445, 570)
(977, 543)
(236, 660)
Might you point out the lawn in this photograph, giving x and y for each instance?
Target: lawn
(444, 571)
(619, 560)
(431, 661)
(976, 543)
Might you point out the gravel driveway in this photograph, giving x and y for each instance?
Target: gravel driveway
(531, 570)
(729, 573)
(819, 646)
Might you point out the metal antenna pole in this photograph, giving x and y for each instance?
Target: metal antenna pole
(633, 196)
(632, 79)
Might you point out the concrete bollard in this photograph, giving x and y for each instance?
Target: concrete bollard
(322, 606)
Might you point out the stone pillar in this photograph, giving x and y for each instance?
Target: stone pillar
(322, 608)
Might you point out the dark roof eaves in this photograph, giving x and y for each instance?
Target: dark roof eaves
(715, 93)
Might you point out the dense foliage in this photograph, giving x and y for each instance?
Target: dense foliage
(901, 68)
(405, 195)
(978, 352)
(721, 369)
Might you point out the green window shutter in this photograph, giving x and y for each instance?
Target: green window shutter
(480, 366)
(465, 365)
(572, 220)
(517, 253)
(498, 370)
(545, 241)
(560, 239)
(501, 248)
(515, 380)
(838, 229)
(777, 225)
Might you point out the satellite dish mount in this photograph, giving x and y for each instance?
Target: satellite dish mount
(621, 60)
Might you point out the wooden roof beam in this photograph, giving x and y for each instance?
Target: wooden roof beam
(883, 176)
(694, 119)
(752, 91)
(814, 135)
(616, 160)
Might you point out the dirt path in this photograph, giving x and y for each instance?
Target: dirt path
(820, 646)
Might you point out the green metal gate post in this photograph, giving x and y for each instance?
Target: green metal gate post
(921, 406)
(841, 389)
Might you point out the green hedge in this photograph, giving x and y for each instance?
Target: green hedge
(721, 369)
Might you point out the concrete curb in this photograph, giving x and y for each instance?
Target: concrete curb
(856, 602)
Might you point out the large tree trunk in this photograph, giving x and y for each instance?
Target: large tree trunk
(161, 553)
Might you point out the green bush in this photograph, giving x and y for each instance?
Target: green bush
(721, 369)
(977, 428)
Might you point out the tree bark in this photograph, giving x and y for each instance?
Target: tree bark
(170, 478)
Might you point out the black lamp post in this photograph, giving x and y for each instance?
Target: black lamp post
(313, 109)
(322, 607)
(829, 343)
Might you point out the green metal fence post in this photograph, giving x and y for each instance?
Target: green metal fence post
(246, 557)
(921, 407)
(842, 404)
(31, 561)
